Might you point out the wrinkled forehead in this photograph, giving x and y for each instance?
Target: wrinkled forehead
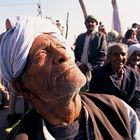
(47, 40)
(118, 48)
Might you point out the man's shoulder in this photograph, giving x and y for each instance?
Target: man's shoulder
(130, 70)
(107, 105)
(100, 96)
(99, 34)
(106, 99)
(81, 34)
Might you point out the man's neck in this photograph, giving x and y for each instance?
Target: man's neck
(58, 114)
(89, 32)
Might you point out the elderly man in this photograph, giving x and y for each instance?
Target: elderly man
(39, 65)
(134, 57)
(118, 79)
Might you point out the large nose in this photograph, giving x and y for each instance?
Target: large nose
(61, 55)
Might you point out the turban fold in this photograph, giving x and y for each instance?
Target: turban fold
(133, 48)
(16, 43)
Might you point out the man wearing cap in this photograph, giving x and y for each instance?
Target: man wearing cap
(90, 48)
(38, 64)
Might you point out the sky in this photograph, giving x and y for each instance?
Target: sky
(58, 9)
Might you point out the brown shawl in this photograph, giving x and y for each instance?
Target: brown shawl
(109, 116)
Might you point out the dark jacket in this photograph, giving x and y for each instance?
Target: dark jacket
(106, 115)
(102, 82)
(97, 48)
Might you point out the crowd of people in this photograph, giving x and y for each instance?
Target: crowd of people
(108, 58)
(91, 92)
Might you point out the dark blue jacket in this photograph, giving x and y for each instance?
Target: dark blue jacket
(100, 125)
(97, 48)
(102, 82)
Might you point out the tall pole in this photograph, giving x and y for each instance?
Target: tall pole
(39, 9)
(67, 26)
(83, 6)
(116, 20)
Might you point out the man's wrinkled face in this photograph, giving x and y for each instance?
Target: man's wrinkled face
(135, 58)
(118, 57)
(51, 73)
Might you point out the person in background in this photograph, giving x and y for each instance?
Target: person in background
(48, 76)
(138, 35)
(117, 79)
(101, 28)
(113, 37)
(90, 48)
(3, 91)
(129, 37)
(9, 100)
(134, 26)
(134, 57)
(8, 25)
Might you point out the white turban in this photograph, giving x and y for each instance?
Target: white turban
(133, 48)
(17, 42)
(12, 22)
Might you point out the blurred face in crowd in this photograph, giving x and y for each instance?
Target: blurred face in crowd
(91, 24)
(138, 35)
(51, 74)
(8, 24)
(118, 56)
(134, 59)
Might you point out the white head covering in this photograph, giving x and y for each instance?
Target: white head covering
(12, 21)
(17, 42)
(133, 48)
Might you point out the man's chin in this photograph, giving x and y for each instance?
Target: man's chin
(73, 82)
(78, 80)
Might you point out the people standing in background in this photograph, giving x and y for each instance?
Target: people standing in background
(101, 28)
(134, 26)
(90, 48)
(10, 100)
(138, 35)
(3, 91)
(129, 37)
(8, 25)
(113, 37)
(116, 78)
(134, 57)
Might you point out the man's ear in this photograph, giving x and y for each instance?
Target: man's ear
(18, 88)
